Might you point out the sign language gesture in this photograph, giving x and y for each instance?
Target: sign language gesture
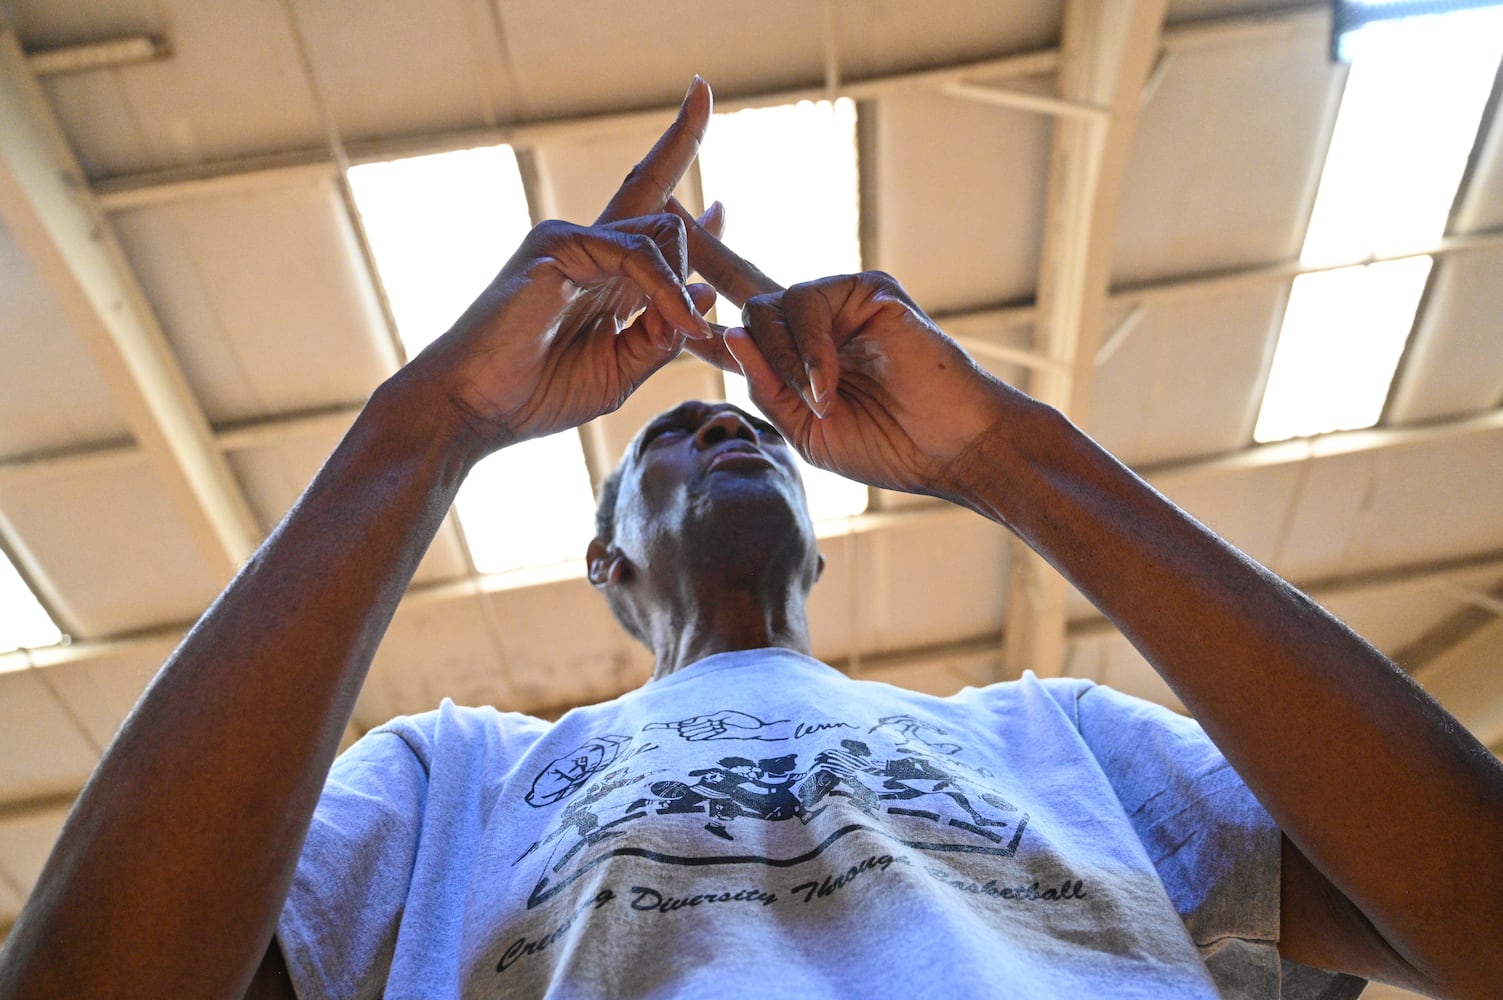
(579, 316)
(853, 373)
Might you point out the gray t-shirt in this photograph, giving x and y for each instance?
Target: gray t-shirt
(759, 823)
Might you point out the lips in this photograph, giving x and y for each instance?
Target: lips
(738, 458)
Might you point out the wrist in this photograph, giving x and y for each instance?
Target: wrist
(410, 421)
(419, 413)
(991, 474)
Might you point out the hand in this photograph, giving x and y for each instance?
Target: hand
(579, 316)
(852, 372)
(727, 724)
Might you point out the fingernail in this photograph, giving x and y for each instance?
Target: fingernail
(816, 383)
(689, 93)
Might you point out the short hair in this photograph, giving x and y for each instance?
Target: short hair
(605, 502)
(605, 530)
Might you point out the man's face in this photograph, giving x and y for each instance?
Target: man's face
(704, 469)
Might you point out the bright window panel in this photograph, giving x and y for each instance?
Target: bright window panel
(788, 179)
(1408, 119)
(529, 505)
(1343, 333)
(24, 623)
(440, 227)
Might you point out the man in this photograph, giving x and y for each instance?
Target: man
(1046, 839)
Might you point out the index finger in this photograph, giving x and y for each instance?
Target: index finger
(732, 275)
(650, 184)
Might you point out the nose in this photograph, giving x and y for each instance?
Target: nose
(722, 425)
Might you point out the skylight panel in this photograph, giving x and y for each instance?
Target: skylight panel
(788, 179)
(1408, 118)
(24, 623)
(440, 227)
(1342, 337)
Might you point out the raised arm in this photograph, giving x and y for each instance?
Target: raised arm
(171, 870)
(1328, 733)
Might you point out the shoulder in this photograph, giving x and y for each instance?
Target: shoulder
(448, 729)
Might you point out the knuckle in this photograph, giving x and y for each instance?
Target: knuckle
(551, 229)
(639, 243)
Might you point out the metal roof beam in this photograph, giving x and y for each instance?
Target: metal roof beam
(51, 214)
(283, 166)
(1107, 53)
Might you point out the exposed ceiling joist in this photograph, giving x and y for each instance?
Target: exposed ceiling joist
(136, 190)
(53, 217)
(1107, 52)
(1164, 290)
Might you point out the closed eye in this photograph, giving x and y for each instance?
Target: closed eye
(657, 430)
(767, 430)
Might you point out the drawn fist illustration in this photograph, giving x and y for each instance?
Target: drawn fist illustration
(727, 724)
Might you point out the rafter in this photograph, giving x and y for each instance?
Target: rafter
(59, 224)
(1106, 54)
(284, 166)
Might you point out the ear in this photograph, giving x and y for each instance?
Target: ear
(606, 566)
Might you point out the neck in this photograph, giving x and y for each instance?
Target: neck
(727, 615)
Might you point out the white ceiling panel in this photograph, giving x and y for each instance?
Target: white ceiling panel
(1393, 615)
(95, 112)
(232, 86)
(876, 37)
(1454, 363)
(599, 661)
(549, 41)
(51, 395)
(378, 84)
(960, 592)
(105, 545)
(960, 231)
(263, 296)
(1361, 509)
(435, 648)
(1226, 158)
(1187, 380)
(275, 472)
(93, 103)
(1248, 505)
(100, 691)
(25, 842)
(1432, 500)
(1465, 681)
(839, 603)
(42, 750)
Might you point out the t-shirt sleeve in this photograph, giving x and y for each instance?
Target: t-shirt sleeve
(1215, 847)
(338, 928)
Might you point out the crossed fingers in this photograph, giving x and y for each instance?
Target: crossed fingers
(791, 329)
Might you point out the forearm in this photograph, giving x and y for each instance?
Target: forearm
(170, 872)
(1384, 792)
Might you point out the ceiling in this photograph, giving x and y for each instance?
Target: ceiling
(1105, 206)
